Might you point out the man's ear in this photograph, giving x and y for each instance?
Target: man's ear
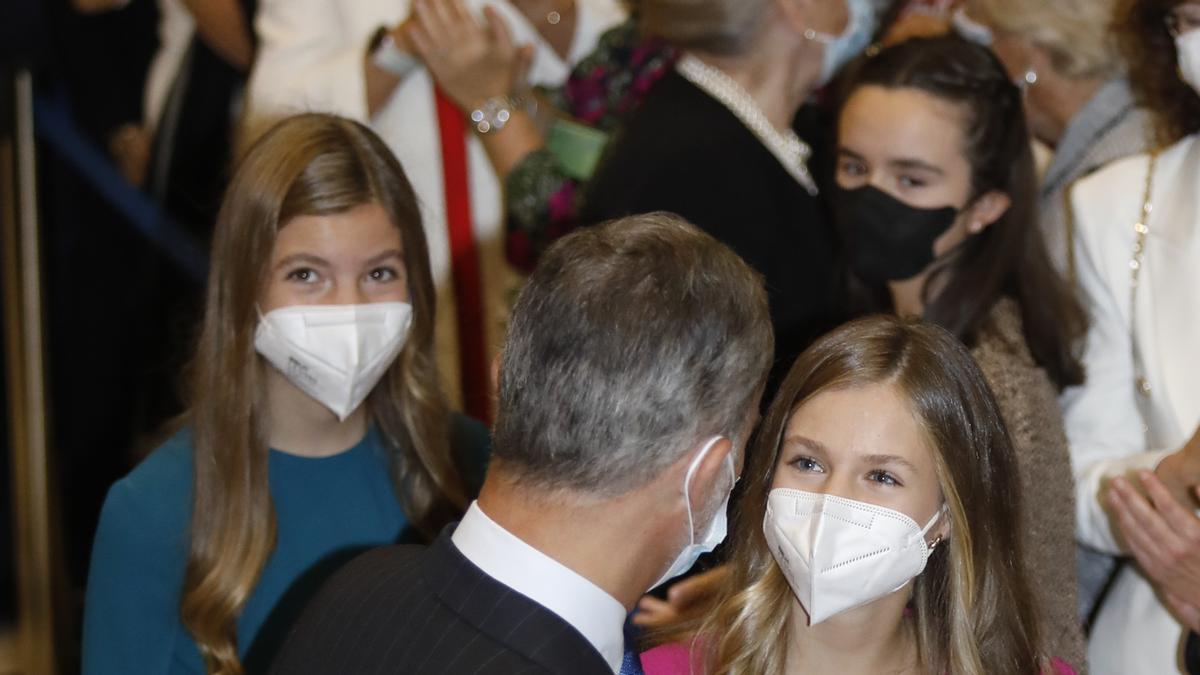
(987, 210)
(495, 390)
(710, 474)
(1040, 60)
(794, 13)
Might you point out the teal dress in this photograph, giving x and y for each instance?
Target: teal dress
(327, 511)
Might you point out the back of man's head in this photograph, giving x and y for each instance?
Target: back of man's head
(631, 342)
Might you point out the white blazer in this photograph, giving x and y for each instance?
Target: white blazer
(1113, 426)
(311, 59)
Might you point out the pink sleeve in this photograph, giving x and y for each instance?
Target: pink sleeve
(668, 659)
(1061, 667)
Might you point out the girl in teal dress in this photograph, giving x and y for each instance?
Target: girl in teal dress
(315, 428)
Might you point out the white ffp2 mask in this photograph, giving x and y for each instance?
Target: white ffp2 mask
(838, 554)
(334, 353)
(1187, 46)
(717, 527)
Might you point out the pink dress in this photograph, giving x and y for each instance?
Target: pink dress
(673, 659)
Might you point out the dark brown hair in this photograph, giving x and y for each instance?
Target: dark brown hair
(1154, 68)
(973, 607)
(306, 165)
(1009, 258)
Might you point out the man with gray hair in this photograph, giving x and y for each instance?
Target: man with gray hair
(629, 382)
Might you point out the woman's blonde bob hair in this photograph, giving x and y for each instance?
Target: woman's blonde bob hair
(1077, 34)
(310, 164)
(973, 610)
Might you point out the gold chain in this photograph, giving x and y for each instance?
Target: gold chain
(1140, 229)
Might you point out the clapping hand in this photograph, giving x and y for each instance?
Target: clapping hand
(471, 62)
(1164, 536)
(684, 599)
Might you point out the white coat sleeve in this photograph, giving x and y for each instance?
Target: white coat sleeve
(1104, 426)
(311, 58)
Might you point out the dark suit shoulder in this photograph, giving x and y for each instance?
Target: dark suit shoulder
(347, 615)
(421, 610)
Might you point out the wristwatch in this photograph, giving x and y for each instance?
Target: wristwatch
(388, 56)
(494, 113)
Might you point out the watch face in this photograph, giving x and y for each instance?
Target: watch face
(493, 114)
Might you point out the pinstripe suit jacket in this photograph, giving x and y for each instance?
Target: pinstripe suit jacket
(411, 609)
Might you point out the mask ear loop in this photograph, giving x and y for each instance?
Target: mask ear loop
(928, 526)
(687, 486)
(820, 38)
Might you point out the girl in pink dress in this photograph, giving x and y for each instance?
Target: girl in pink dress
(878, 530)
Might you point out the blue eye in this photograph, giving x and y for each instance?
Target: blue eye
(883, 478)
(803, 463)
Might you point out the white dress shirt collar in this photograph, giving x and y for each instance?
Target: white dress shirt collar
(598, 616)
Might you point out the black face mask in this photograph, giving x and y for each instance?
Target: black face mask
(886, 239)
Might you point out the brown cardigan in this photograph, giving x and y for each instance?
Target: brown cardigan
(1029, 405)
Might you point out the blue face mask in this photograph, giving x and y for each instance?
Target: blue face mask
(839, 50)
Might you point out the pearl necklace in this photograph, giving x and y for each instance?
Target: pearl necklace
(786, 146)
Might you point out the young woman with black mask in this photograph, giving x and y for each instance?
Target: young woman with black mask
(935, 203)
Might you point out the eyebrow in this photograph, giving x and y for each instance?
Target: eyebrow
(390, 253)
(302, 258)
(318, 261)
(806, 442)
(917, 164)
(890, 459)
(901, 164)
(819, 448)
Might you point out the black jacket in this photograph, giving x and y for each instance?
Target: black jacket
(411, 609)
(684, 152)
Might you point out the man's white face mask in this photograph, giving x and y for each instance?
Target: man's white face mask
(715, 533)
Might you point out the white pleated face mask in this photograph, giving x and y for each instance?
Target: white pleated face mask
(838, 554)
(334, 353)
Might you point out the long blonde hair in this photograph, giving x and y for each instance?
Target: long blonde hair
(311, 164)
(973, 609)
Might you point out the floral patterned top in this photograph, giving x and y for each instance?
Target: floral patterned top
(601, 92)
